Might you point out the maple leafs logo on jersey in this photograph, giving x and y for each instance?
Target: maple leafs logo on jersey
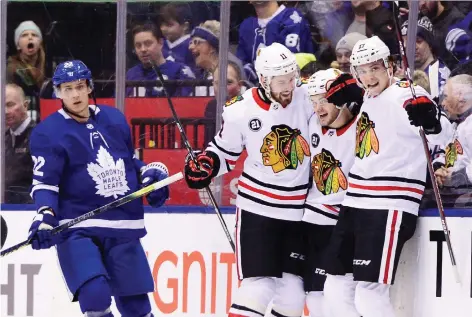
(327, 173)
(366, 138)
(233, 100)
(109, 176)
(453, 149)
(283, 148)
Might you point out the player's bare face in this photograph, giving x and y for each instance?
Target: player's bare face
(281, 88)
(326, 112)
(29, 43)
(451, 102)
(147, 47)
(374, 76)
(75, 96)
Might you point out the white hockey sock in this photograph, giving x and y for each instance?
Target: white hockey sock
(339, 293)
(315, 304)
(373, 300)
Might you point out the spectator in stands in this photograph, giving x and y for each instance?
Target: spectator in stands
(18, 162)
(380, 22)
(454, 168)
(27, 67)
(442, 15)
(273, 23)
(358, 24)
(204, 46)
(234, 86)
(465, 68)
(175, 24)
(425, 55)
(329, 18)
(459, 39)
(307, 64)
(148, 42)
(421, 79)
(344, 50)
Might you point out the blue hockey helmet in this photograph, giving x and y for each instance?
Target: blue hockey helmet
(71, 71)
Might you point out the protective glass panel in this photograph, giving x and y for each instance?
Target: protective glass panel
(40, 35)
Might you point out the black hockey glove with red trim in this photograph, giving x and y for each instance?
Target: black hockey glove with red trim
(199, 175)
(422, 112)
(345, 91)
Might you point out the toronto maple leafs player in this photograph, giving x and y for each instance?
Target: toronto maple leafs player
(271, 123)
(83, 159)
(385, 185)
(332, 133)
(273, 24)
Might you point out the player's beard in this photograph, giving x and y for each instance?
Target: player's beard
(284, 99)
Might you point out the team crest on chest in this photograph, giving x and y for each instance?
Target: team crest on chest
(366, 138)
(327, 173)
(452, 151)
(109, 176)
(283, 148)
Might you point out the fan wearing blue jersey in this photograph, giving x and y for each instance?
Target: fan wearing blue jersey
(273, 23)
(148, 42)
(83, 159)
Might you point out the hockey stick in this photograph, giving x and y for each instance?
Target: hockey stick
(429, 162)
(192, 155)
(123, 200)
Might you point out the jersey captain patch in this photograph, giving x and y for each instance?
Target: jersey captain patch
(366, 138)
(327, 173)
(233, 100)
(452, 151)
(283, 148)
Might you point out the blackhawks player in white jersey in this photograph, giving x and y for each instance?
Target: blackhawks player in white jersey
(385, 186)
(332, 133)
(271, 123)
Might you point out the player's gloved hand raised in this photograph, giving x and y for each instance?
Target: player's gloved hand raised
(345, 91)
(40, 233)
(151, 173)
(199, 175)
(422, 112)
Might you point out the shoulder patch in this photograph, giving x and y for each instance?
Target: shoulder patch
(233, 100)
(302, 81)
(403, 84)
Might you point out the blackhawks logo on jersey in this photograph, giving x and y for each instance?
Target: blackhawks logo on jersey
(452, 151)
(283, 148)
(109, 176)
(233, 100)
(366, 138)
(327, 173)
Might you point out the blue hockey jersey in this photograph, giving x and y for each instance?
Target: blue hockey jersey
(178, 51)
(170, 70)
(459, 39)
(79, 167)
(437, 73)
(287, 26)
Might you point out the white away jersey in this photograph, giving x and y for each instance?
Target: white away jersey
(458, 152)
(389, 170)
(274, 182)
(332, 156)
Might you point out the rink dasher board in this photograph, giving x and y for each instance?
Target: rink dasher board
(195, 273)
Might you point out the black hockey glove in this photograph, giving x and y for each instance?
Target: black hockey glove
(199, 175)
(345, 91)
(422, 112)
